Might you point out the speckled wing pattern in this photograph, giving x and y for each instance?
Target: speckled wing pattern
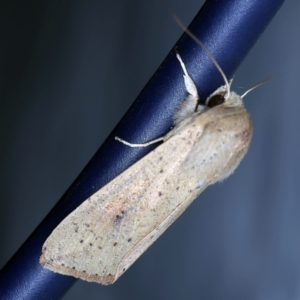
(111, 229)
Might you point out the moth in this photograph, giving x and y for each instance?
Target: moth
(104, 236)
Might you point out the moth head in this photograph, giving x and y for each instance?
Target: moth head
(233, 99)
(224, 96)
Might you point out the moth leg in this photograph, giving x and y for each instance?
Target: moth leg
(188, 81)
(191, 102)
(161, 139)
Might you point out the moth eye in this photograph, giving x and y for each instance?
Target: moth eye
(215, 100)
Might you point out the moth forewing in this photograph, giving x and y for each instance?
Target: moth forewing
(111, 229)
(92, 241)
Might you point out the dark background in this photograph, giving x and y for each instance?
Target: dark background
(69, 71)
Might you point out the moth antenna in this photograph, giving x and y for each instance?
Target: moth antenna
(257, 85)
(206, 50)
